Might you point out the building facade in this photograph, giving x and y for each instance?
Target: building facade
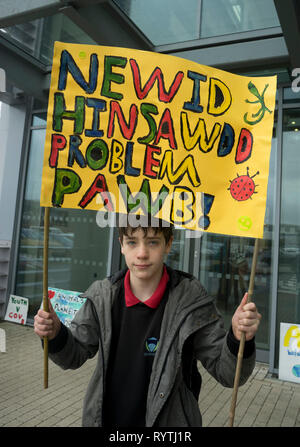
(247, 37)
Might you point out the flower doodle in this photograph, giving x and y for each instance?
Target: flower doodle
(258, 116)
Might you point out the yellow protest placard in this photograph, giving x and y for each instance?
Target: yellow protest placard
(131, 131)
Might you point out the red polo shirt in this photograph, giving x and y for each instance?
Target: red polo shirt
(154, 300)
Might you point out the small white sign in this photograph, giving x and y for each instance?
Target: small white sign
(17, 309)
(2, 80)
(289, 352)
(2, 341)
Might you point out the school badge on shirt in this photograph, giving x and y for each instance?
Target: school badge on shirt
(151, 345)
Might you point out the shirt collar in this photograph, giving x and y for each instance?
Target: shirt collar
(154, 300)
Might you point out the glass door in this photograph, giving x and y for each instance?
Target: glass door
(288, 293)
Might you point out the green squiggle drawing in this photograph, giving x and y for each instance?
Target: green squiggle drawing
(261, 100)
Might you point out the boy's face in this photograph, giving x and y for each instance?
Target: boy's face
(144, 254)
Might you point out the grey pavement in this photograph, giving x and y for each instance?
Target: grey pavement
(264, 401)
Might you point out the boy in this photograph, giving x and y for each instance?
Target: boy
(149, 325)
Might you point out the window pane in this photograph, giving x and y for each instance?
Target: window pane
(173, 21)
(78, 248)
(37, 37)
(288, 305)
(24, 35)
(175, 258)
(164, 22)
(59, 27)
(235, 16)
(39, 119)
(290, 95)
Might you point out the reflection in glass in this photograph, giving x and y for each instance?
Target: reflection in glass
(60, 27)
(38, 36)
(78, 248)
(164, 22)
(175, 258)
(24, 35)
(235, 16)
(173, 21)
(288, 304)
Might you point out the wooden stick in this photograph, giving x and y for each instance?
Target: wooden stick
(242, 341)
(45, 289)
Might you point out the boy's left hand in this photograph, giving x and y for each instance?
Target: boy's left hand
(245, 319)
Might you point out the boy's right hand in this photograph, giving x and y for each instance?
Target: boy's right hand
(47, 324)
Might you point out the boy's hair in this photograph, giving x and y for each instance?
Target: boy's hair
(158, 227)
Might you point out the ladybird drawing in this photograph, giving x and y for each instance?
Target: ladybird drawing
(243, 187)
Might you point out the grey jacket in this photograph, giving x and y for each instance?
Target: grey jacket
(188, 312)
